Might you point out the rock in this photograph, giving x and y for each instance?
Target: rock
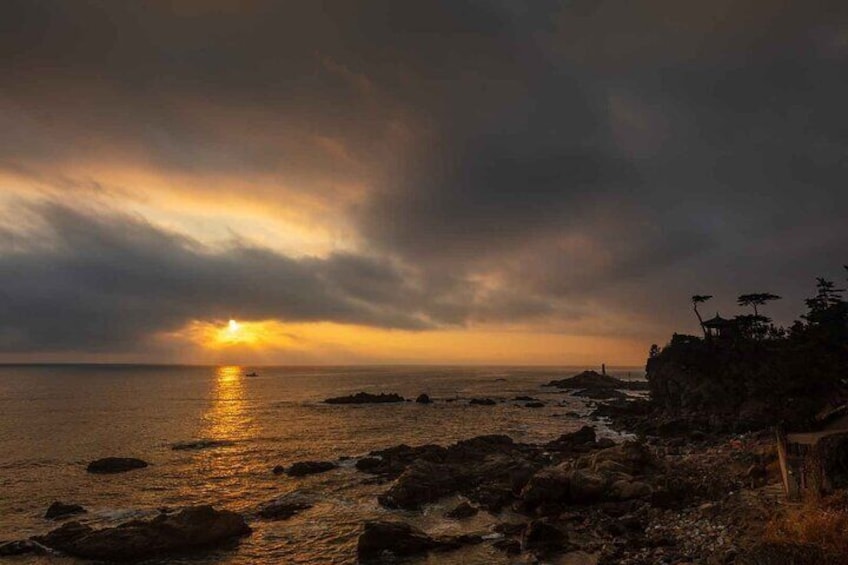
(423, 482)
(550, 486)
(285, 507)
(510, 528)
(61, 510)
(508, 546)
(534, 405)
(543, 538)
(201, 444)
(461, 511)
(586, 486)
(525, 398)
(303, 468)
(482, 402)
(18, 547)
(628, 490)
(278, 470)
(582, 440)
(595, 380)
(383, 541)
(423, 399)
(109, 465)
(192, 528)
(366, 398)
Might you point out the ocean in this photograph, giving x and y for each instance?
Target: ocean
(54, 419)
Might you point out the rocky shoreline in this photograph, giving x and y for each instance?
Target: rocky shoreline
(676, 494)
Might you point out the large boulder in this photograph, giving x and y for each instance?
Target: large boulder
(386, 541)
(61, 510)
(303, 468)
(109, 465)
(423, 482)
(192, 528)
(550, 486)
(366, 398)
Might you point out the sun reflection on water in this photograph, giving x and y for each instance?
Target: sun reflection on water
(228, 417)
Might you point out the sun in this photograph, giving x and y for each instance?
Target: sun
(233, 327)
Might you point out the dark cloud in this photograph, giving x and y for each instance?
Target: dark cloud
(558, 162)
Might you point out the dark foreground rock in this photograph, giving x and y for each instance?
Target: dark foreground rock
(19, 547)
(385, 541)
(109, 465)
(423, 399)
(366, 398)
(61, 510)
(303, 468)
(190, 529)
(461, 511)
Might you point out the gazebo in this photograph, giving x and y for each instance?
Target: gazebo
(718, 326)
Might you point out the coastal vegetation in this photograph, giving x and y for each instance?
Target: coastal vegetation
(751, 373)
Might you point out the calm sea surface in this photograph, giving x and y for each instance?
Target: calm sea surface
(55, 419)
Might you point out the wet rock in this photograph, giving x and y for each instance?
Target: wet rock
(423, 482)
(482, 402)
(581, 441)
(201, 444)
(366, 398)
(534, 405)
(508, 546)
(303, 468)
(285, 507)
(18, 547)
(543, 538)
(278, 470)
(109, 465)
(526, 399)
(61, 510)
(461, 511)
(192, 528)
(383, 541)
(423, 399)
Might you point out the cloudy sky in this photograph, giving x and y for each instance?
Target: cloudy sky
(496, 181)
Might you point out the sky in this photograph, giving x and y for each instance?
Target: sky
(440, 181)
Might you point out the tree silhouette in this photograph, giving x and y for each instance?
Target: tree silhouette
(700, 299)
(756, 299)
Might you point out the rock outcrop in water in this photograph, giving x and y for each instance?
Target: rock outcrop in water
(61, 510)
(384, 542)
(366, 398)
(423, 399)
(190, 529)
(592, 380)
(303, 468)
(110, 465)
(285, 507)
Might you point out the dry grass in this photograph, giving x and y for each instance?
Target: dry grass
(818, 522)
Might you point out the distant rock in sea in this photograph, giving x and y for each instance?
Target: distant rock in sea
(109, 465)
(303, 468)
(285, 506)
(423, 399)
(595, 380)
(482, 402)
(201, 444)
(365, 398)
